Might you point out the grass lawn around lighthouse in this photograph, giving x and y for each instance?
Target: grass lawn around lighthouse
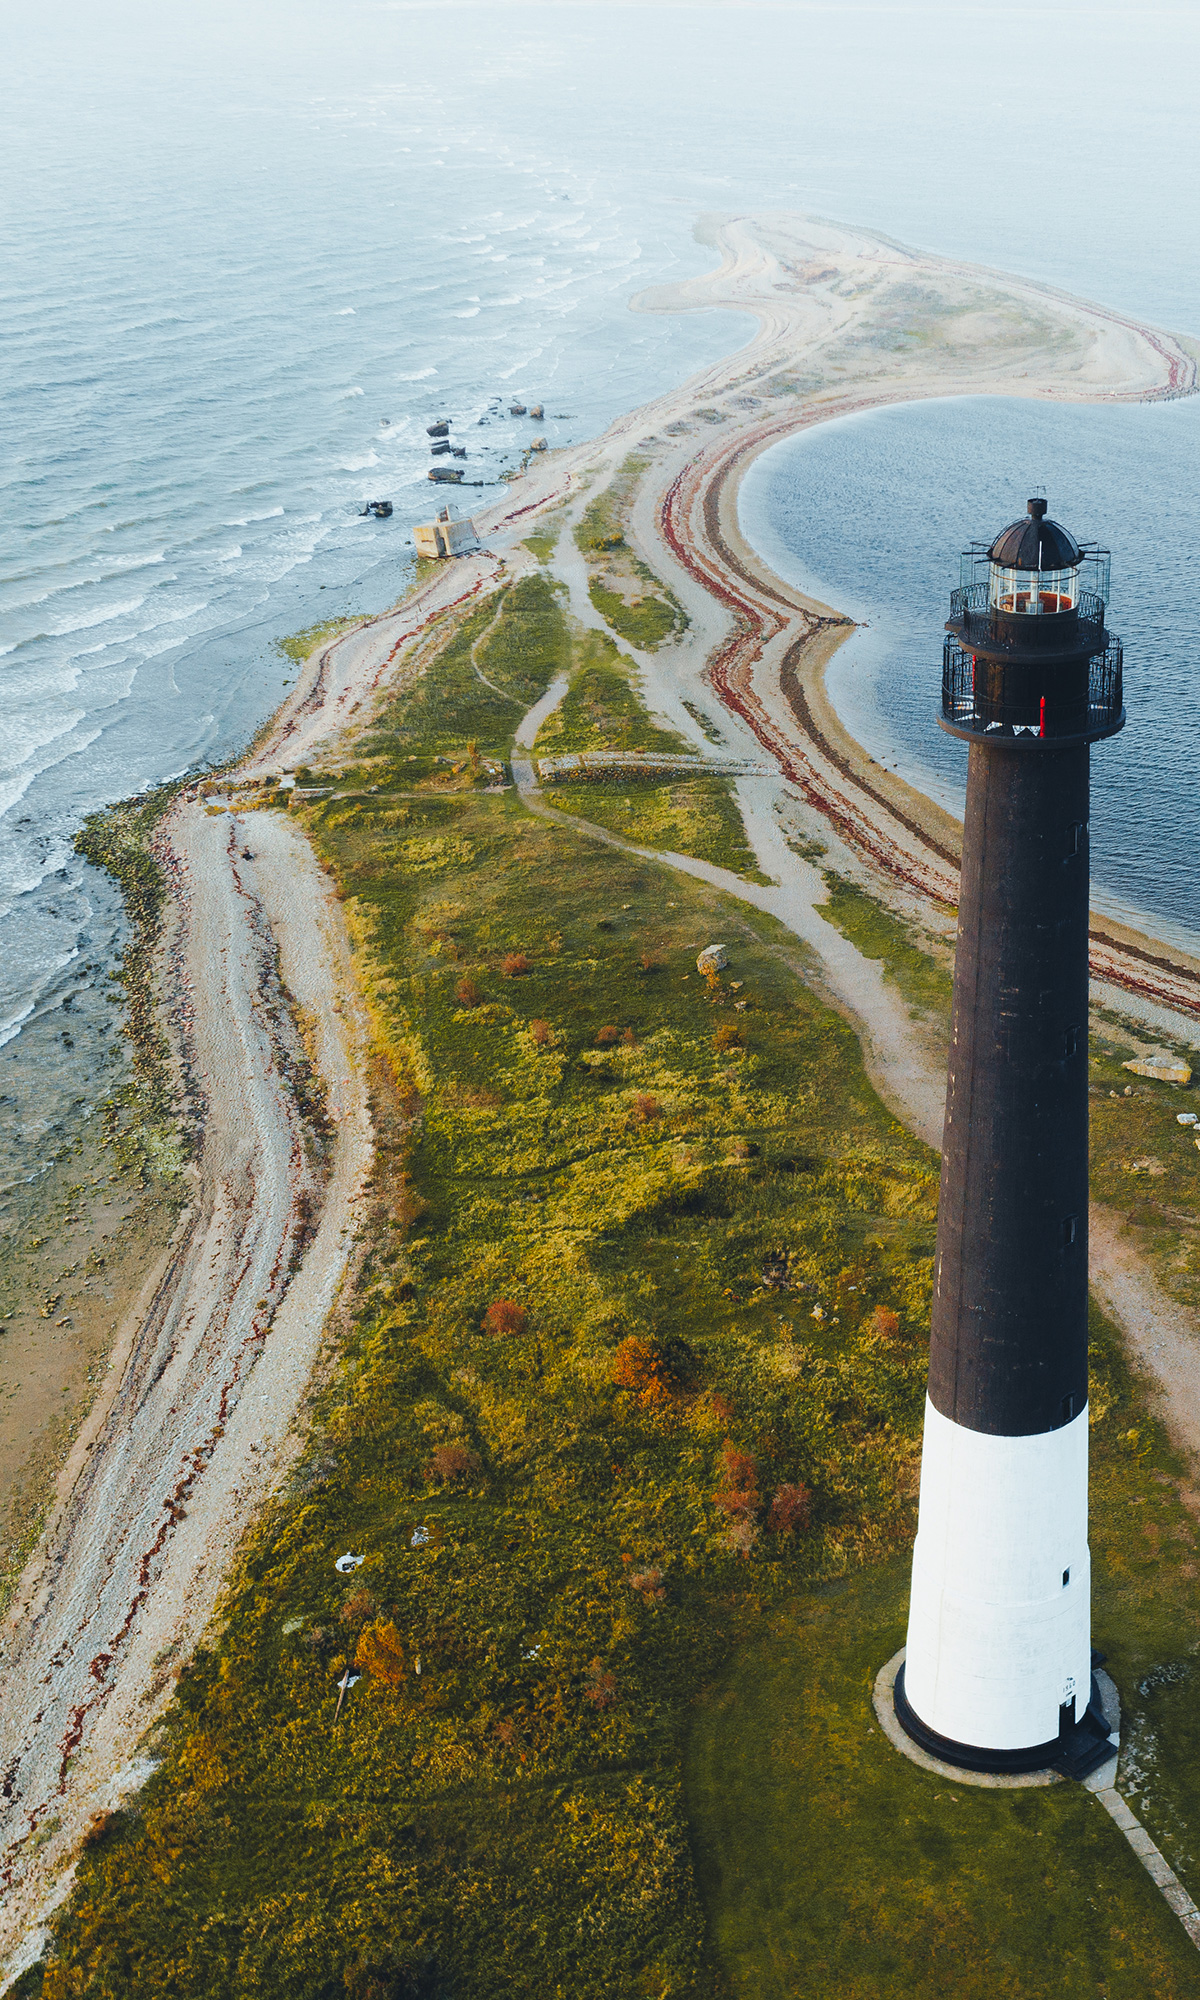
(643, 1256)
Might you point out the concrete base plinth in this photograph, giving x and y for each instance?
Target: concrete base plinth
(885, 1712)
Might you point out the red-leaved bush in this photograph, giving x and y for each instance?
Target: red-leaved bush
(607, 1036)
(886, 1323)
(467, 993)
(600, 1687)
(790, 1510)
(542, 1033)
(646, 1108)
(505, 1316)
(738, 1492)
(514, 965)
(638, 1368)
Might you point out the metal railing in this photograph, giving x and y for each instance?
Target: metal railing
(1043, 712)
(970, 603)
(1096, 564)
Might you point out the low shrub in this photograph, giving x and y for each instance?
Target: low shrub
(452, 1462)
(790, 1510)
(504, 1316)
(738, 1493)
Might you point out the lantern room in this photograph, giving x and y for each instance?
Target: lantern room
(1033, 567)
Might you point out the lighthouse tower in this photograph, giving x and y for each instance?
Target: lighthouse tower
(997, 1672)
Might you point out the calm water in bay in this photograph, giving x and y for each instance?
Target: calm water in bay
(252, 250)
(870, 513)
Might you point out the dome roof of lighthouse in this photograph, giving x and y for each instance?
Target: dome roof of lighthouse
(1035, 543)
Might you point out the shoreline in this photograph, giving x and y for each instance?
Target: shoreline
(1114, 913)
(758, 650)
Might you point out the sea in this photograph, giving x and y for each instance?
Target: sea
(253, 250)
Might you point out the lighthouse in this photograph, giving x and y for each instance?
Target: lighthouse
(997, 1673)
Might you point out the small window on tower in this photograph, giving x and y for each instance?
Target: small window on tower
(1066, 1578)
(1070, 1230)
(1070, 1041)
(1075, 833)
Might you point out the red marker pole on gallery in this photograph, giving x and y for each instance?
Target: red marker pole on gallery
(998, 1667)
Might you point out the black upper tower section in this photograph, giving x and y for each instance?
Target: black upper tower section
(1031, 679)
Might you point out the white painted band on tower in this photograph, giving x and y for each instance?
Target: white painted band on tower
(999, 1628)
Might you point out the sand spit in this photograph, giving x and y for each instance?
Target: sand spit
(194, 1428)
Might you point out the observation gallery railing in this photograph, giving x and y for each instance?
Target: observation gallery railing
(1054, 703)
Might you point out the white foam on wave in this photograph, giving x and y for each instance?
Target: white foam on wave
(100, 615)
(135, 561)
(22, 745)
(347, 393)
(244, 520)
(471, 312)
(344, 313)
(359, 464)
(417, 375)
(12, 1027)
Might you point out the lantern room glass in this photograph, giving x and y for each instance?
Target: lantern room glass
(1033, 592)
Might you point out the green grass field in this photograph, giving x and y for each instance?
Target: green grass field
(831, 1865)
(624, 1421)
(650, 613)
(675, 815)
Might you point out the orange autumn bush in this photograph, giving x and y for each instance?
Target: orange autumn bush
(505, 1316)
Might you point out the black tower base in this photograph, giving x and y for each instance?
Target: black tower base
(1078, 1749)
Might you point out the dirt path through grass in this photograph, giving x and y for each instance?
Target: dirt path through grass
(907, 1080)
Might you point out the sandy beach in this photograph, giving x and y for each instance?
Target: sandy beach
(195, 1425)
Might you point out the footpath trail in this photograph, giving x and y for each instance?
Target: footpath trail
(191, 1432)
(193, 1426)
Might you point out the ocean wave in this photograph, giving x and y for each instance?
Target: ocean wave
(127, 563)
(345, 312)
(347, 393)
(100, 615)
(244, 520)
(172, 617)
(359, 464)
(417, 375)
(11, 1028)
(471, 312)
(19, 745)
